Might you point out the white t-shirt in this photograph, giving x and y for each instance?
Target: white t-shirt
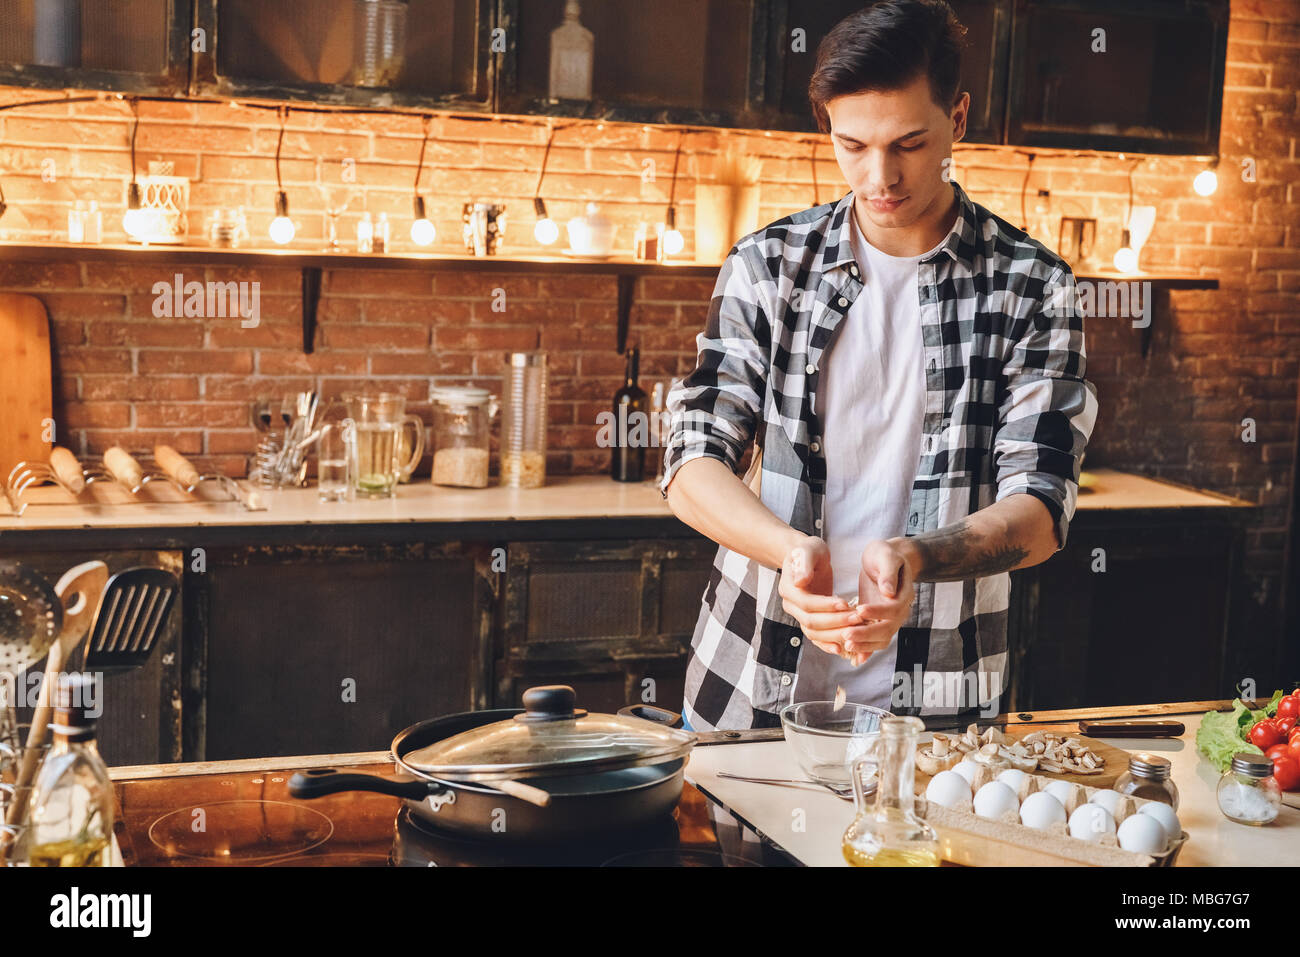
(871, 405)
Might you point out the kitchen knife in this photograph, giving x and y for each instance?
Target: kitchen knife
(1121, 728)
(176, 465)
(123, 467)
(68, 469)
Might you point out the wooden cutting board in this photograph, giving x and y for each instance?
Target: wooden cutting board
(26, 388)
(1116, 764)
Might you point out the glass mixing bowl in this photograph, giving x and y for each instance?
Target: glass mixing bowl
(826, 740)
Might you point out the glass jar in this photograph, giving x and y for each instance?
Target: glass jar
(890, 834)
(462, 426)
(523, 421)
(1248, 793)
(378, 42)
(1148, 777)
(226, 228)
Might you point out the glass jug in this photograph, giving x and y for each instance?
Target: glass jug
(462, 425)
(375, 456)
(890, 833)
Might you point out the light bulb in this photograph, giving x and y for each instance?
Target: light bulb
(673, 242)
(423, 232)
(134, 222)
(546, 232)
(1126, 260)
(1206, 182)
(282, 228)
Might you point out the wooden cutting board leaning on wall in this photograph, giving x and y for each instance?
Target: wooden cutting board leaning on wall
(26, 389)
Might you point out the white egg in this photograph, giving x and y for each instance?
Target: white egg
(1108, 799)
(995, 800)
(967, 768)
(1167, 818)
(1091, 822)
(949, 789)
(1142, 834)
(1012, 778)
(1059, 790)
(1041, 811)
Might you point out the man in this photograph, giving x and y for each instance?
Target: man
(911, 370)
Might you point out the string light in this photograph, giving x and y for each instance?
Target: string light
(673, 241)
(1126, 258)
(423, 232)
(545, 231)
(133, 220)
(282, 229)
(1207, 180)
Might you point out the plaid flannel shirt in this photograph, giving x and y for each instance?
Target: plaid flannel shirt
(1007, 410)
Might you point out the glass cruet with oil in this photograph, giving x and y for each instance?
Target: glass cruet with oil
(890, 833)
(72, 803)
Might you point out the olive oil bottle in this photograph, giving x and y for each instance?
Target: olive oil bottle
(890, 833)
(72, 803)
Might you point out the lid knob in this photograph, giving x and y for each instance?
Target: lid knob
(550, 703)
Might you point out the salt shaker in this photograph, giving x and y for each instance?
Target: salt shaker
(1248, 793)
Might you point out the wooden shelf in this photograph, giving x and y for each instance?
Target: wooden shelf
(309, 259)
(313, 263)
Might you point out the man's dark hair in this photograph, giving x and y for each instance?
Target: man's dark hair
(886, 46)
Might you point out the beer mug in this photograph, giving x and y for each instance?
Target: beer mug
(377, 462)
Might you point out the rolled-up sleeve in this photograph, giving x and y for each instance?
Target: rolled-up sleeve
(715, 410)
(1047, 413)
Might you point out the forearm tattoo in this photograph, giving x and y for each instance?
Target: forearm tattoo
(955, 553)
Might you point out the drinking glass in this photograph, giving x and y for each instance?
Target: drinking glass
(333, 461)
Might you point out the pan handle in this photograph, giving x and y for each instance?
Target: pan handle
(650, 713)
(319, 782)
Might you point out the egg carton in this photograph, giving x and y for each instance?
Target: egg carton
(965, 838)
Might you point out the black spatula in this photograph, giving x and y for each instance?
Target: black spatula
(133, 613)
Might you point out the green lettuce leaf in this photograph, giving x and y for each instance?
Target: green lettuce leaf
(1223, 733)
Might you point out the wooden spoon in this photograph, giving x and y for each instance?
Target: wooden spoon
(79, 589)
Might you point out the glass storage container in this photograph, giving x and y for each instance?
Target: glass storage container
(523, 420)
(1248, 793)
(378, 42)
(1148, 777)
(462, 427)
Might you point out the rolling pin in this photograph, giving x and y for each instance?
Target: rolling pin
(68, 469)
(123, 467)
(176, 465)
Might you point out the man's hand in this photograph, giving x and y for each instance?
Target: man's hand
(886, 591)
(807, 594)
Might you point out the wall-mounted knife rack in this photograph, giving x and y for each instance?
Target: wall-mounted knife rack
(26, 476)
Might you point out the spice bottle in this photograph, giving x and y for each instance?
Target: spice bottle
(1148, 777)
(1248, 793)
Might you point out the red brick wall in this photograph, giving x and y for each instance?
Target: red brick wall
(1216, 358)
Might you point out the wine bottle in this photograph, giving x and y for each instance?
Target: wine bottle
(72, 802)
(632, 426)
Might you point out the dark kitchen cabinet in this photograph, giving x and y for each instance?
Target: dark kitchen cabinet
(312, 51)
(1155, 625)
(788, 70)
(612, 619)
(315, 649)
(128, 46)
(672, 61)
(1156, 88)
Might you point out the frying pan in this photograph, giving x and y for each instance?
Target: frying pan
(580, 805)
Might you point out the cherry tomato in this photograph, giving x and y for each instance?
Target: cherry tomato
(1289, 707)
(1284, 725)
(1264, 734)
(1293, 746)
(1293, 733)
(1280, 750)
(1287, 773)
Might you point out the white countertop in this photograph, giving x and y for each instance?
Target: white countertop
(779, 812)
(565, 497)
